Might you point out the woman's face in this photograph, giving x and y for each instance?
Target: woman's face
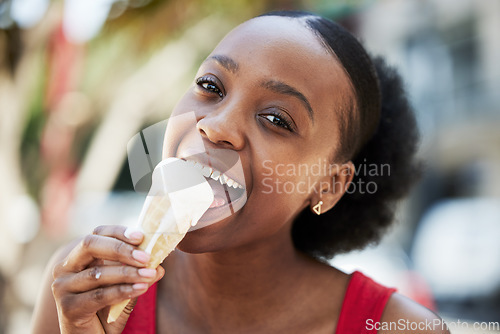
(269, 94)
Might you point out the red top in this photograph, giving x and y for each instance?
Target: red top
(142, 320)
(364, 300)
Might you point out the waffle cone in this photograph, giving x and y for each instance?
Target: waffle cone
(158, 243)
(175, 184)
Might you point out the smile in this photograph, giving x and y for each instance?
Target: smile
(229, 194)
(216, 175)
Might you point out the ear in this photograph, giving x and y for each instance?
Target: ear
(332, 187)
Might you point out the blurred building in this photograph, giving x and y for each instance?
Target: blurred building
(448, 53)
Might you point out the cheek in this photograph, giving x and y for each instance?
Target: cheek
(181, 131)
(278, 194)
(277, 201)
(285, 186)
(186, 103)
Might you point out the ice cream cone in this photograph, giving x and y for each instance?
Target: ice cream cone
(179, 196)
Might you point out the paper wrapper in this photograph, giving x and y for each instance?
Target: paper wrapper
(179, 196)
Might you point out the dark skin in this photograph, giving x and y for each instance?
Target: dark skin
(243, 273)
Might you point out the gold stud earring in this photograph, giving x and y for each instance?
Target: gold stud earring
(317, 208)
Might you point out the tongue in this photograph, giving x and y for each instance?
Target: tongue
(220, 196)
(218, 201)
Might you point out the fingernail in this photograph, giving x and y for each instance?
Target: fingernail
(144, 272)
(140, 286)
(133, 233)
(140, 256)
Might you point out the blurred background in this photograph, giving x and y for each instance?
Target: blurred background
(79, 78)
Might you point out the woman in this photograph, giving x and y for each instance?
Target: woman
(284, 89)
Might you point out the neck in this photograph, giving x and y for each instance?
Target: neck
(236, 286)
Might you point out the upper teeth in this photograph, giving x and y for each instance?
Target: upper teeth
(215, 175)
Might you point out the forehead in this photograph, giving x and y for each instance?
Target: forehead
(275, 29)
(281, 48)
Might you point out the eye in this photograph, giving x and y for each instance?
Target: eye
(279, 120)
(210, 84)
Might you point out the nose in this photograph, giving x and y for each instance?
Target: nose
(223, 128)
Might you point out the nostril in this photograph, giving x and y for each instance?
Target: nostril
(203, 133)
(213, 139)
(220, 131)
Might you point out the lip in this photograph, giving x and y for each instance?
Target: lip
(224, 161)
(215, 215)
(228, 162)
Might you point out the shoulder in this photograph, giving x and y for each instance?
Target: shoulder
(402, 315)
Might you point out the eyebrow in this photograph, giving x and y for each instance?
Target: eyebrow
(274, 85)
(283, 88)
(226, 62)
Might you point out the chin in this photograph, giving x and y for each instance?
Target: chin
(210, 238)
(199, 242)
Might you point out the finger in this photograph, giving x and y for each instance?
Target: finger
(160, 272)
(94, 247)
(130, 235)
(98, 298)
(90, 302)
(99, 276)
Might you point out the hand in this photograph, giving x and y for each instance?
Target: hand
(104, 269)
